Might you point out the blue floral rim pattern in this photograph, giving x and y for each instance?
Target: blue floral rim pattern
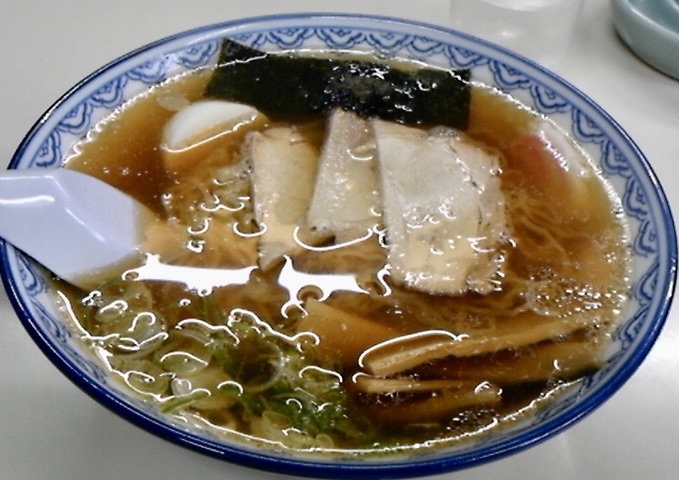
(653, 243)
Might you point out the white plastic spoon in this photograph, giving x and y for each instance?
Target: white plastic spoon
(76, 225)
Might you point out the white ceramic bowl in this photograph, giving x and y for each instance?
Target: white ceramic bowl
(654, 245)
(651, 30)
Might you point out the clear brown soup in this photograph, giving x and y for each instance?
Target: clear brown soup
(217, 357)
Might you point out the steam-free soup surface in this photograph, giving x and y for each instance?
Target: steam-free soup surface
(322, 350)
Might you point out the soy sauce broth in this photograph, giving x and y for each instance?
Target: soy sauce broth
(566, 264)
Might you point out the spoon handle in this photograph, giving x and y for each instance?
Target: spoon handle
(72, 223)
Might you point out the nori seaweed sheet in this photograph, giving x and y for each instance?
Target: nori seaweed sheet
(288, 85)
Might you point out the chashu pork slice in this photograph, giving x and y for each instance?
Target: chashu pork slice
(346, 200)
(443, 208)
(284, 165)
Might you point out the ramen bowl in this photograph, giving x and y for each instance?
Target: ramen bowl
(652, 242)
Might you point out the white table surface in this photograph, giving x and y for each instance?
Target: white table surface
(49, 429)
